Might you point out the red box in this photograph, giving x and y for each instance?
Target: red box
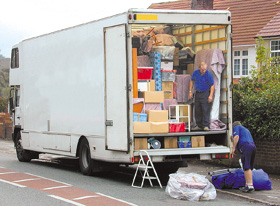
(145, 73)
(177, 127)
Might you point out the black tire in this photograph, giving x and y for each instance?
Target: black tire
(22, 154)
(85, 160)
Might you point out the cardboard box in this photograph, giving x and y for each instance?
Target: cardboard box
(157, 115)
(141, 127)
(167, 88)
(198, 141)
(190, 69)
(170, 142)
(159, 127)
(176, 57)
(151, 85)
(142, 86)
(154, 96)
(140, 143)
(166, 65)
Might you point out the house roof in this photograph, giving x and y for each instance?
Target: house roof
(272, 28)
(248, 17)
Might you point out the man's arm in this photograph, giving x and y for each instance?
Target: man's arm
(210, 98)
(190, 89)
(235, 141)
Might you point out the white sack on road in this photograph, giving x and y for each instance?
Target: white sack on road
(191, 186)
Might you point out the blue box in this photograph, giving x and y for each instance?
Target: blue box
(185, 144)
(140, 117)
(184, 138)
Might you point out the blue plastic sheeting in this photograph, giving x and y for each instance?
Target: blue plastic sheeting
(236, 179)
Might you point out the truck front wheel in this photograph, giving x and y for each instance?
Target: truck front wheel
(22, 154)
(85, 161)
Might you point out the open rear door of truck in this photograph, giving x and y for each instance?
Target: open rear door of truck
(116, 94)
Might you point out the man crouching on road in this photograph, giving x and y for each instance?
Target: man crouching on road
(243, 141)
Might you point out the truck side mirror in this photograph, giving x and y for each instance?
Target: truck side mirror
(11, 101)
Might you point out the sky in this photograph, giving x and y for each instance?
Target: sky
(21, 19)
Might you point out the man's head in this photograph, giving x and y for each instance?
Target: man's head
(202, 67)
(236, 123)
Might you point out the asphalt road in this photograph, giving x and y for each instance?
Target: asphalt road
(41, 182)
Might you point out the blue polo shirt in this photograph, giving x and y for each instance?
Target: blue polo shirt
(202, 82)
(244, 135)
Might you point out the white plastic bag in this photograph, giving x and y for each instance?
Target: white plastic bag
(191, 186)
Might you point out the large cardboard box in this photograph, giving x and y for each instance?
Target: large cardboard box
(154, 96)
(170, 142)
(151, 85)
(198, 141)
(159, 127)
(141, 127)
(140, 143)
(167, 88)
(157, 115)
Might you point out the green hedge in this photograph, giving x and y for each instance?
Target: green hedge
(256, 100)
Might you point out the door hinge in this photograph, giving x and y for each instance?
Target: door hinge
(109, 122)
(127, 34)
(129, 87)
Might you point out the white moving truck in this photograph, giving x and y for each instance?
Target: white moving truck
(72, 90)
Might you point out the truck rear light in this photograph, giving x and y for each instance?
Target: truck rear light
(137, 159)
(221, 156)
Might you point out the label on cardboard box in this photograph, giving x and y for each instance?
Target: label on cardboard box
(157, 115)
(198, 141)
(154, 96)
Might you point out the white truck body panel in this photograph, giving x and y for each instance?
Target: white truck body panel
(68, 81)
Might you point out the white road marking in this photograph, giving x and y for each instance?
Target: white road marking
(18, 185)
(48, 179)
(66, 200)
(24, 180)
(116, 199)
(51, 188)
(85, 197)
(4, 173)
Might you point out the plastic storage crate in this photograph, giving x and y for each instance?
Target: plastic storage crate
(177, 127)
(187, 144)
(145, 73)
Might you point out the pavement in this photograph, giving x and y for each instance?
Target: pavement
(266, 197)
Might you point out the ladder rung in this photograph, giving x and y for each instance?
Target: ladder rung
(150, 178)
(145, 166)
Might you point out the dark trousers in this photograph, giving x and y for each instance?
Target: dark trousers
(202, 109)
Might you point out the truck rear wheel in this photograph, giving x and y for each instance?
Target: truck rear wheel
(85, 160)
(22, 154)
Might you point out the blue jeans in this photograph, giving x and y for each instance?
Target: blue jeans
(202, 109)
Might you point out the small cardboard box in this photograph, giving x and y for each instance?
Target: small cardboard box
(170, 142)
(154, 96)
(176, 57)
(151, 85)
(190, 69)
(140, 143)
(159, 127)
(198, 141)
(141, 127)
(167, 87)
(157, 115)
(165, 65)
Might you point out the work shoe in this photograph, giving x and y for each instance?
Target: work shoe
(247, 189)
(196, 128)
(206, 129)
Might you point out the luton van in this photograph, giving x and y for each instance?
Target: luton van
(106, 90)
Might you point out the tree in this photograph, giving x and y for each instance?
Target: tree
(256, 99)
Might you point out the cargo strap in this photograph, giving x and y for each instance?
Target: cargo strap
(146, 166)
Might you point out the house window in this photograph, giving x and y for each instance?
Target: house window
(275, 48)
(241, 67)
(15, 58)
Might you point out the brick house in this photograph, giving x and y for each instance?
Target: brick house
(250, 19)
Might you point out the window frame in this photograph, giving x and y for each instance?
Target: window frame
(15, 58)
(241, 57)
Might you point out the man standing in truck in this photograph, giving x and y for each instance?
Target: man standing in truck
(243, 141)
(204, 90)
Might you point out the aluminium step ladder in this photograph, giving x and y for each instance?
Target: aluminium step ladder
(148, 165)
